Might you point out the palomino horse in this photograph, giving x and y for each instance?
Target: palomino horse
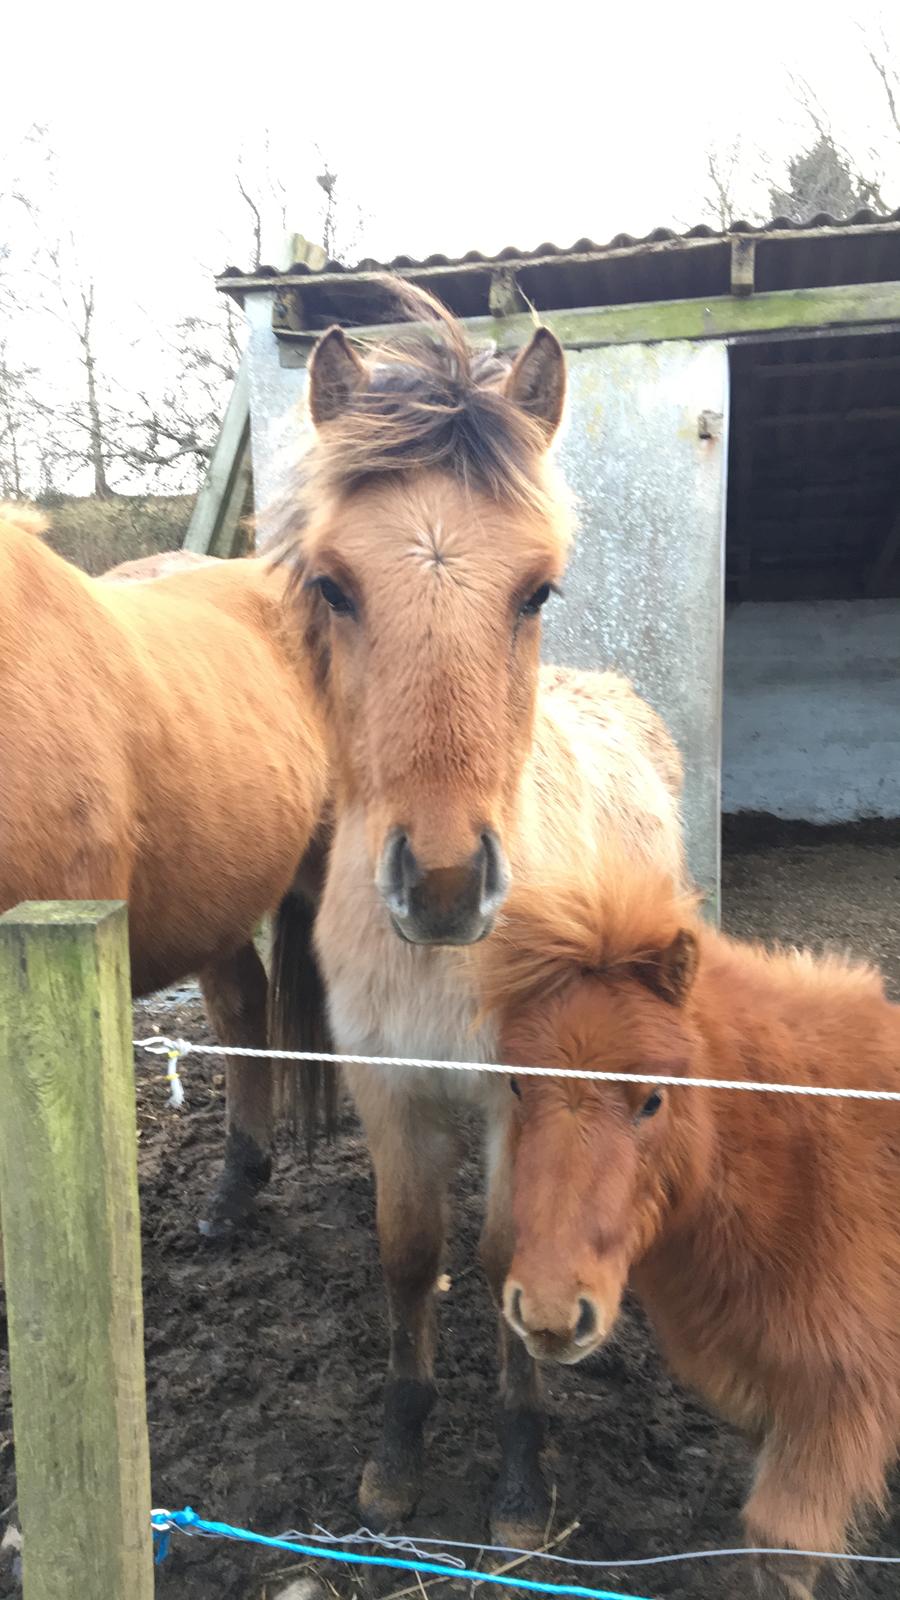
(760, 1231)
(159, 744)
(428, 534)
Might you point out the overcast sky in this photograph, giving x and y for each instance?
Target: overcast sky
(453, 127)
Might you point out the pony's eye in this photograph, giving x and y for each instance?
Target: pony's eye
(534, 603)
(651, 1104)
(334, 597)
(514, 1085)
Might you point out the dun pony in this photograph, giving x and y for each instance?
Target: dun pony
(760, 1231)
(426, 530)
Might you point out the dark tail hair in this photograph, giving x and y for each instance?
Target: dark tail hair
(298, 1020)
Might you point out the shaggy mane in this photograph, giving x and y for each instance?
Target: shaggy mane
(434, 402)
(559, 930)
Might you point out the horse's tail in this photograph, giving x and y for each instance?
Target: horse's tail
(298, 1020)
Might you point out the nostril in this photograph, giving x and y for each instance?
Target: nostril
(495, 879)
(409, 870)
(586, 1326)
(515, 1306)
(398, 872)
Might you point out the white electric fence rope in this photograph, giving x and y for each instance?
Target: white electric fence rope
(160, 1044)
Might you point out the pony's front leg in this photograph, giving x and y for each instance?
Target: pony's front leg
(521, 1504)
(414, 1147)
(235, 992)
(814, 1477)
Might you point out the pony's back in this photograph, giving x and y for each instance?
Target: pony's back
(603, 774)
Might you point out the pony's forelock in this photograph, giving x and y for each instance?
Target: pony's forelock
(551, 932)
(434, 402)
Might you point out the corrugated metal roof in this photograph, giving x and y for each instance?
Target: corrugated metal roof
(663, 265)
(814, 473)
(585, 246)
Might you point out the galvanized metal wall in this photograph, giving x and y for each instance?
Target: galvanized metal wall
(645, 588)
(644, 592)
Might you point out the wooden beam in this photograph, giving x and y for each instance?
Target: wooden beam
(215, 525)
(766, 370)
(786, 312)
(793, 419)
(837, 581)
(69, 1198)
(887, 555)
(743, 263)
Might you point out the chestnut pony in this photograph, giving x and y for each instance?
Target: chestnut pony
(427, 532)
(159, 744)
(760, 1231)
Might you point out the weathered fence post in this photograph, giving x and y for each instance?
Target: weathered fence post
(69, 1206)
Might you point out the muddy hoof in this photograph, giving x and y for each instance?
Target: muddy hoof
(384, 1499)
(247, 1169)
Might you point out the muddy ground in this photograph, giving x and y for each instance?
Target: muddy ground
(264, 1362)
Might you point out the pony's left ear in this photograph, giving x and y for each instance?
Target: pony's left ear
(537, 381)
(671, 972)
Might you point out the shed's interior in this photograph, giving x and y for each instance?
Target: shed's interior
(814, 469)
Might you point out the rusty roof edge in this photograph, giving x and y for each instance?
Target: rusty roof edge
(661, 240)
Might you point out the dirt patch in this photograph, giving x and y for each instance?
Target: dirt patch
(264, 1362)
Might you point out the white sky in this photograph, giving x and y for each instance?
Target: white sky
(474, 125)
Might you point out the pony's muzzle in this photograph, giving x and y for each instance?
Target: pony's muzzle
(446, 905)
(564, 1332)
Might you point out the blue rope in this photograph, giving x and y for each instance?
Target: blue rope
(189, 1522)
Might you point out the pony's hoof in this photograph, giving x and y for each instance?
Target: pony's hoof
(384, 1499)
(247, 1169)
(231, 1207)
(218, 1229)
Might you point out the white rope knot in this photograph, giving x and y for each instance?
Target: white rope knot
(173, 1076)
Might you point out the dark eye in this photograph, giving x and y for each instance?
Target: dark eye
(651, 1104)
(334, 597)
(534, 603)
(514, 1085)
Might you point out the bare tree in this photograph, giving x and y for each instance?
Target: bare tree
(16, 424)
(723, 169)
(878, 51)
(173, 437)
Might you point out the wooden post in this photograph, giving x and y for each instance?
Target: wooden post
(69, 1204)
(215, 525)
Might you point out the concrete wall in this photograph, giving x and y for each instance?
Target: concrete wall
(812, 710)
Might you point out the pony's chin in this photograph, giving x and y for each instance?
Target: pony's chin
(411, 936)
(550, 1353)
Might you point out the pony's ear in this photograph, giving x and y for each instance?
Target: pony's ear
(671, 972)
(336, 374)
(537, 380)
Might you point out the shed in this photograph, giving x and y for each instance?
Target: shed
(734, 441)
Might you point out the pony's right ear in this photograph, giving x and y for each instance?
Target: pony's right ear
(336, 374)
(671, 972)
